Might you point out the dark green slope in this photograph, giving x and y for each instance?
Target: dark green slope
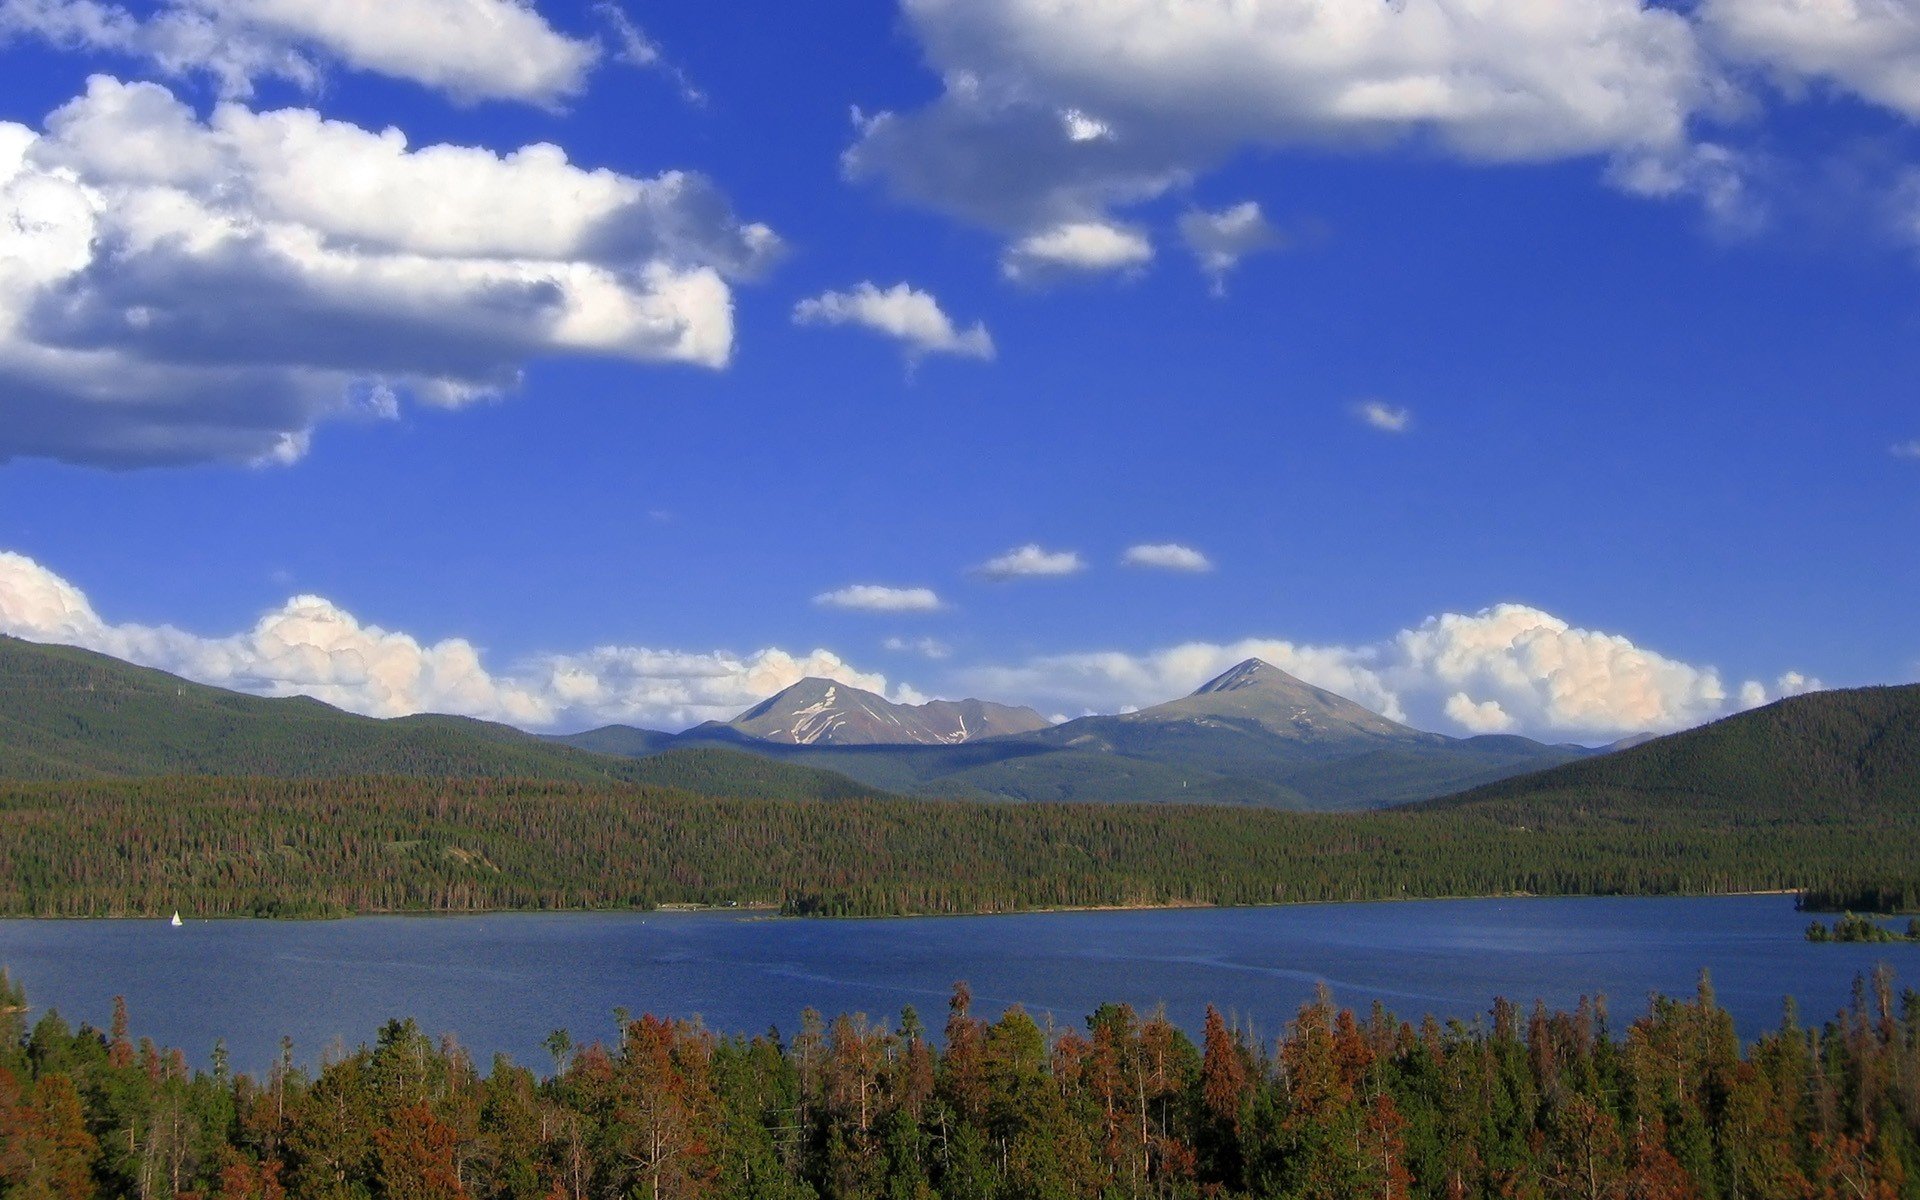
(1016, 767)
(67, 713)
(718, 772)
(1402, 774)
(1219, 762)
(1829, 756)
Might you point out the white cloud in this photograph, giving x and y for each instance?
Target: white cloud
(469, 49)
(874, 597)
(1906, 449)
(309, 646)
(912, 318)
(1383, 416)
(1077, 246)
(1030, 561)
(1544, 676)
(1083, 128)
(177, 290)
(1219, 240)
(1179, 88)
(1550, 675)
(1753, 693)
(1166, 556)
(1793, 683)
(1485, 716)
(926, 647)
(1870, 48)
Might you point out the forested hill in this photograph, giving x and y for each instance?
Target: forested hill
(1826, 756)
(69, 714)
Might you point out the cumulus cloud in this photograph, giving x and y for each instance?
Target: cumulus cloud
(1383, 416)
(874, 597)
(179, 290)
(1166, 556)
(1175, 89)
(1086, 246)
(1506, 668)
(1219, 240)
(1753, 693)
(908, 316)
(1484, 716)
(1870, 48)
(309, 646)
(1030, 561)
(1551, 675)
(468, 49)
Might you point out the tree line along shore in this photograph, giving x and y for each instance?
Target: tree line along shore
(218, 846)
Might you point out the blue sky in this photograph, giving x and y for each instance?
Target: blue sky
(1653, 359)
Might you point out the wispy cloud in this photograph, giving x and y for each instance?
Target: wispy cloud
(634, 48)
(1385, 417)
(925, 647)
(1219, 240)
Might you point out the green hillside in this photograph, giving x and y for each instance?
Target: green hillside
(1819, 792)
(1824, 756)
(70, 714)
(1841, 760)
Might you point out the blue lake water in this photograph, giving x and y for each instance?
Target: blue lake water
(501, 983)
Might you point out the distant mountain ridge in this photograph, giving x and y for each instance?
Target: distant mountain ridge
(825, 712)
(1257, 697)
(1252, 735)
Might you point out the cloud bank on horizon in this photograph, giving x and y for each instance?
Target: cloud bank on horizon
(1509, 668)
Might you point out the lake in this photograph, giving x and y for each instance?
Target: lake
(502, 982)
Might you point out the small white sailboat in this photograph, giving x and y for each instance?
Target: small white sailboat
(176, 922)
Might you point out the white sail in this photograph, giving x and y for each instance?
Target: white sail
(176, 918)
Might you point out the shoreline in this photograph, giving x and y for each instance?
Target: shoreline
(770, 911)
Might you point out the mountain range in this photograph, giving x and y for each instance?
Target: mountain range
(1254, 735)
(821, 712)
